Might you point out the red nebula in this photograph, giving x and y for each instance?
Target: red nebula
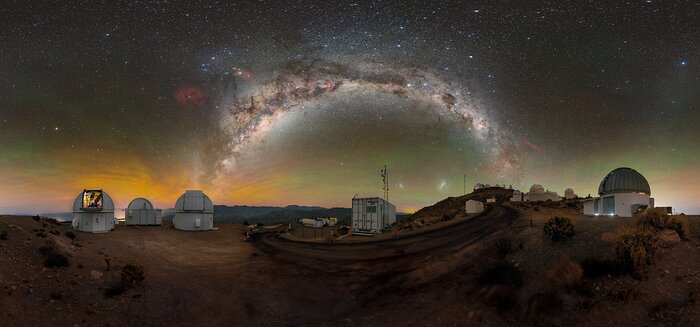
(535, 147)
(190, 95)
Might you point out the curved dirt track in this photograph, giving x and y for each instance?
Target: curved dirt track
(448, 238)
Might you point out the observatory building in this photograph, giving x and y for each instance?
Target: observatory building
(478, 186)
(569, 193)
(194, 211)
(141, 212)
(93, 211)
(538, 193)
(371, 215)
(623, 192)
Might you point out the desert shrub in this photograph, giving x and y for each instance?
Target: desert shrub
(636, 246)
(657, 220)
(56, 259)
(71, 235)
(565, 273)
(504, 247)
(131, 275)
(559, 228)
(36, 218)
(3, 235)
(594, 267)
(502, 274)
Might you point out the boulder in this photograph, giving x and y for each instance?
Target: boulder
(669, 236)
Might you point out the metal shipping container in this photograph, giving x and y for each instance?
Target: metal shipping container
(372, 215)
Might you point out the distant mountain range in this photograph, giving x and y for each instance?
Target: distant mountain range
(269, 215)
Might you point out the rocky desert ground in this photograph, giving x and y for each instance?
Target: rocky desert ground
(494, 269)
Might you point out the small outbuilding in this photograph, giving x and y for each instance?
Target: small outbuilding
(517, 196)
(372, 215)
(93, 212)
(141, 212)
(473, 206)
(194, 211)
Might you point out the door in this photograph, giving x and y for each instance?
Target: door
(370, 214)
(100, 222)
(609, 205)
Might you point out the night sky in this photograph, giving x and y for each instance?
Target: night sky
(295, 102)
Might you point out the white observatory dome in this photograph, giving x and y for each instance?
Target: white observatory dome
(107, 203)
(194, 200)
(140, 203)
(478, 186)
(537, 188)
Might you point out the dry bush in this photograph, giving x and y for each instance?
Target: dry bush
(53, 258)
(131, 275)
(636, 246)
(565, 273)
(658, 221)
(3, 235)
(70, 235)
(559, 228)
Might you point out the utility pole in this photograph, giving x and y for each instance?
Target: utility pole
(385, 178)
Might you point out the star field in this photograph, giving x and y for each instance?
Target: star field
(302, 102)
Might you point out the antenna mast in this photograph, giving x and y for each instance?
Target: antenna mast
(385, 178)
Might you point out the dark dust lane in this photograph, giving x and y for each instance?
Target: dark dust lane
(449, 238)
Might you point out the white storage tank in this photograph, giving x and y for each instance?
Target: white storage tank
(93, 211)
(194, 211)
(141, 212)
(372, 215)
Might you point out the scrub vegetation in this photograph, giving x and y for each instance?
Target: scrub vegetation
(559, 229)
(660, 221)
(636, 246)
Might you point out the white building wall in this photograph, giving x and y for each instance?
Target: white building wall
(473, 206)
(143, 217)
(193, 221)
(94, 222)
(588, 207)
(624, 202)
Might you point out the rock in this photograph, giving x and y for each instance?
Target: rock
(471, 314)
(96, 274)
(669, 236)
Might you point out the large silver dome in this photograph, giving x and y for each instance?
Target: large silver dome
(624, 180)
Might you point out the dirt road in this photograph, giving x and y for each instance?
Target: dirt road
(447, 239)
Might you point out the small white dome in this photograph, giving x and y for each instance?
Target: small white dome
(140, 203)
(194, 200)
(478, 186)
(537, 188)
(96, 196)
